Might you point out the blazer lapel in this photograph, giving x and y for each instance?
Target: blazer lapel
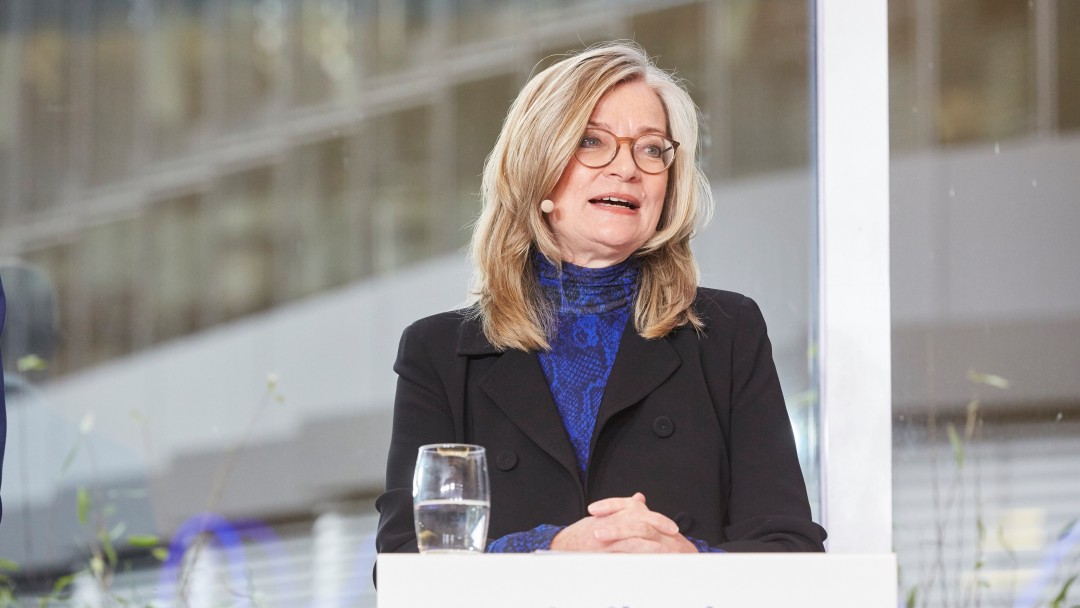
(517, 385)
(640, 366)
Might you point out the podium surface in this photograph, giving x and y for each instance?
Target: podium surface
(573, 580)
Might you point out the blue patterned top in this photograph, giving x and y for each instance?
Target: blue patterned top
(592, 307)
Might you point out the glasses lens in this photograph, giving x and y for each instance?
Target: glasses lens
(653, 153)
(596, 148)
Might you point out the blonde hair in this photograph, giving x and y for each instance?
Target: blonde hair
(538, 139)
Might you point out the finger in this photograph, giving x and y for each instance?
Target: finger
(666, 544)
(626, 530)
(662, 523)
(634, 545)
(608, 506)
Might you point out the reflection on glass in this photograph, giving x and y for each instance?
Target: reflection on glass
(177, 264)
(475, 103)
(402, 214)
(987, 70)
(174, 70)
(45, 95)
(1068, 64)
(250, 46)
(325, 66)
(242, 242)
(113, 64)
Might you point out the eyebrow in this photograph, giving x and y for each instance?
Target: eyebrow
(641, 131)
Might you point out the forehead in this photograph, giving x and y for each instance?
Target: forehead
(634, 105)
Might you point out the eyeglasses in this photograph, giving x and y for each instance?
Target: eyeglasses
(651, 153)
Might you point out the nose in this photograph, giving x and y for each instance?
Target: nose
(623, 165)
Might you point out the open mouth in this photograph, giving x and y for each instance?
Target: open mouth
(614, 201)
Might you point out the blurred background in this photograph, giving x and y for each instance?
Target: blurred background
(216, 217)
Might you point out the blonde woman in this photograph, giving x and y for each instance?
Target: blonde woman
(623, 408)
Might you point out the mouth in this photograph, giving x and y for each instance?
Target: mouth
(615, 201)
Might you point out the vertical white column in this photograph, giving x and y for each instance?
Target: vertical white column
(852, 144)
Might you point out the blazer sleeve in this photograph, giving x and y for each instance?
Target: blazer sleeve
(768, 508)
(421, 416)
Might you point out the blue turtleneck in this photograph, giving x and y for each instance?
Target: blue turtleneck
(591, 308)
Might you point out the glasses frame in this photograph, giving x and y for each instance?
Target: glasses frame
(619, 141)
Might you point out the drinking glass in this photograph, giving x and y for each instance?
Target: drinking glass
(451, 498)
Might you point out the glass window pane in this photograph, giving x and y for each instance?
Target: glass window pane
(1068, 63)
(249, 49)
(474, 137)
(324, 47)
(320, 244)
(242, 240)
(768, 87)
(177, 266)
(174, 98)
(400, 34)
(484, 20)
(987, 71)
(45, 105)
(403, 215)
(115, 52)
(56, 262)
(985, 323)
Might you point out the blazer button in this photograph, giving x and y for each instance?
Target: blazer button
(663, 426)
(506, 460)
(684, 520)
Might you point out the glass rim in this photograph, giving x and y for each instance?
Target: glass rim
(470, 448)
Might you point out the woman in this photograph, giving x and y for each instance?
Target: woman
(623, 408)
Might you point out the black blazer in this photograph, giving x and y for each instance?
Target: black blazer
(696, 422)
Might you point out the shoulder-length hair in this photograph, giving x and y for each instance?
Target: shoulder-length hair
(537, 141)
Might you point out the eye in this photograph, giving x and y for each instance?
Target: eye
(651, 147)
(590, 141)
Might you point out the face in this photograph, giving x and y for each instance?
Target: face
(603, 215)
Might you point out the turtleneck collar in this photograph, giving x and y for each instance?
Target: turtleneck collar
(580, 290)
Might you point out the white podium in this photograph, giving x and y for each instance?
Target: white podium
(572, 580)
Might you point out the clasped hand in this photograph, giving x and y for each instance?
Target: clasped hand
(623, 525)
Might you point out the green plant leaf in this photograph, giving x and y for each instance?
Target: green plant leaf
(62, 583)
(107, 548)
(993, 380)
(144, 541)
(1059, 600)
(97, 566)
(956, 443)
(82, 505)
(911, 597)
(7, 564)
(30, 363)
(161, 553)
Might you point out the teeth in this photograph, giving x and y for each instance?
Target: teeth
(616, 201)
